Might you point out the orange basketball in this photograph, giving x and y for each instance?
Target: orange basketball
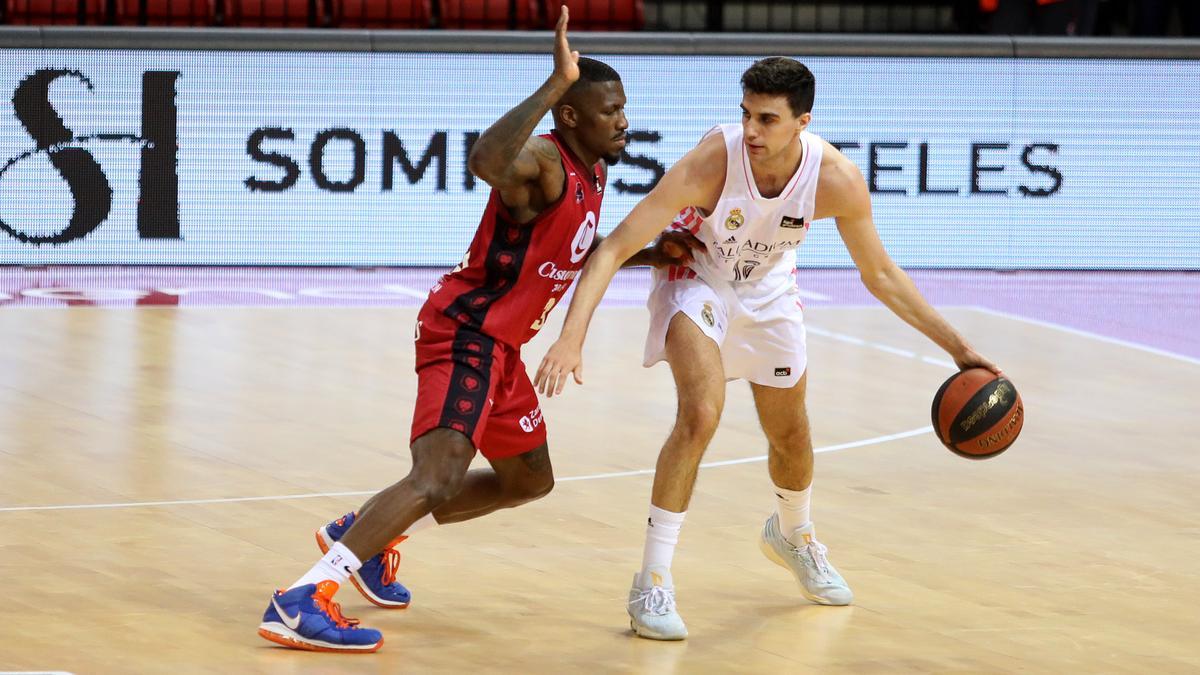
(977, 414)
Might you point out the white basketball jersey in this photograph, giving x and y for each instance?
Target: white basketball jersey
(751, 239)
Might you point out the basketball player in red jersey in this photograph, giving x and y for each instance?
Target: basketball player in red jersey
(472, 389)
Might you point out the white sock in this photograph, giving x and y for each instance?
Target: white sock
(336, 565)
(662, 533)
(423, 523)
(793, 507)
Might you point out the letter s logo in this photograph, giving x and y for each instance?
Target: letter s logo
(158, 203)
(89, 186)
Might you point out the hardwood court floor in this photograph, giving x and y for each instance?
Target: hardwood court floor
(1075, 552)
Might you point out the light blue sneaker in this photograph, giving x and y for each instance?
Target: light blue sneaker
(651, 607)
(376, 579)
(818, 579)
(306, 617)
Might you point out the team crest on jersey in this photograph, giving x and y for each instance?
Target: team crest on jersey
(579, 193)
(707, 314)
(792, 223)
(735, 220)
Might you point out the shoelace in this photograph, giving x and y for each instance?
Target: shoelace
(391, 562)
(657, 600)
(816, 552)
(334, 610)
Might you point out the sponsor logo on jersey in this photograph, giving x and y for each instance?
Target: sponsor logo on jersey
(757, 249)
(735, 220)
(792, 223)
(550, 271)
(584, 236)
(783, 372)
(531, 421)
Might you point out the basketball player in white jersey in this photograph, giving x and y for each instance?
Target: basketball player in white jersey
(749, 193)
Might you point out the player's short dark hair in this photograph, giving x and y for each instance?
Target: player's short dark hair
(591, 72)
(781, 76)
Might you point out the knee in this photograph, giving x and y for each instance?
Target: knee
(697, 421)
(793, 440)
(439, 486)
(439, 470)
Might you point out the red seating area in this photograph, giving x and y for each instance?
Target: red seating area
(272, 13)
(489, 14)
(413, 14)
(598, 14)
(55, 12)
(165, 12)
(376, 14)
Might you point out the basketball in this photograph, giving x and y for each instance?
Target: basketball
(977, 414)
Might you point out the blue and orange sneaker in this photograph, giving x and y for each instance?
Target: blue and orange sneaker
(376, 579)
(306, 617)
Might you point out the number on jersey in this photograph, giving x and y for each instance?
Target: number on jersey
(537, 325)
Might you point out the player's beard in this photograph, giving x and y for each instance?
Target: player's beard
(612, 158)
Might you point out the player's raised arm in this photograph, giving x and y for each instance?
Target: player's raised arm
(842, 184)
(695, 180)
(505, 156)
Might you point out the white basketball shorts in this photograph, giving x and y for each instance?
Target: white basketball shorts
(765, 345)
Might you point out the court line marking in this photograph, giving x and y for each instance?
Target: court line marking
(372, 303)
(746, 460)
(1095, 336)
(859, 342)
(850, 339)
(358, 493)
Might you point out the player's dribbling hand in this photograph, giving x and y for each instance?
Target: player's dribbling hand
(561, 359)
(973, 359)
(566, 62)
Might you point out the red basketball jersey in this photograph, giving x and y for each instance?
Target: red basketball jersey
(514, 273)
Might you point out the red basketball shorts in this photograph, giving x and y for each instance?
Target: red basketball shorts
(474, 384)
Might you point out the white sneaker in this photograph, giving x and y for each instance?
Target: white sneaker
(818, 579)
(651, 606)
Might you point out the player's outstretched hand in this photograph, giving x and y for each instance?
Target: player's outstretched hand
(566, 62)
(561, 359)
